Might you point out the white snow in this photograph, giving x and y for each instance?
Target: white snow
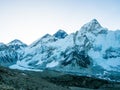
(62, 44)
(24, 68)
(52, 64)
(105, 41)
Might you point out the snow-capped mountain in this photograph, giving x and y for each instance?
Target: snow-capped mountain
(7, 55)
(11, 52)
(89, 50)
(16, 45)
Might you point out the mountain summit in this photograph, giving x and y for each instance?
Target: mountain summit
(93, 24)
(16, 44)
(60, 34)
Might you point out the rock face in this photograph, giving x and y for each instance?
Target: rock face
(60, 34)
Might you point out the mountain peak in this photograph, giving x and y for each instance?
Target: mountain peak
(60, 34)
(16, 42)
(92, 26)
(94, 21)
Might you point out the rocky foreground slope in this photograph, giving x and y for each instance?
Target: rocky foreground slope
(18, 80)
(51, 80)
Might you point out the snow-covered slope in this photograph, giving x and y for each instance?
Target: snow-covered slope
(18, 46)
(7, 55)
(88, 50)
(10, 53)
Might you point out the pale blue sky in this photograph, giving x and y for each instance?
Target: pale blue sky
(28, 20)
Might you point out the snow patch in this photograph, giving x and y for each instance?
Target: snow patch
(24, 68)
(52, 64)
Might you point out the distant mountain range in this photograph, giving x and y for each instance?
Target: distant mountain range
(91, 51)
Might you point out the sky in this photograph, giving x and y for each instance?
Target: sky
(28, 20)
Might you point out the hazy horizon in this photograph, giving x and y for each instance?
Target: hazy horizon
(28, 20)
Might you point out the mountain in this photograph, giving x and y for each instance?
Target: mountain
(7, 55)
(11, 52)
(16, 45)
(60, 34)
(93, 50)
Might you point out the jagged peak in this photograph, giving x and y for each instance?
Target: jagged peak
(94, 21)
(42, 39)
(60, 34)
(92, 25)
(16, 42)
